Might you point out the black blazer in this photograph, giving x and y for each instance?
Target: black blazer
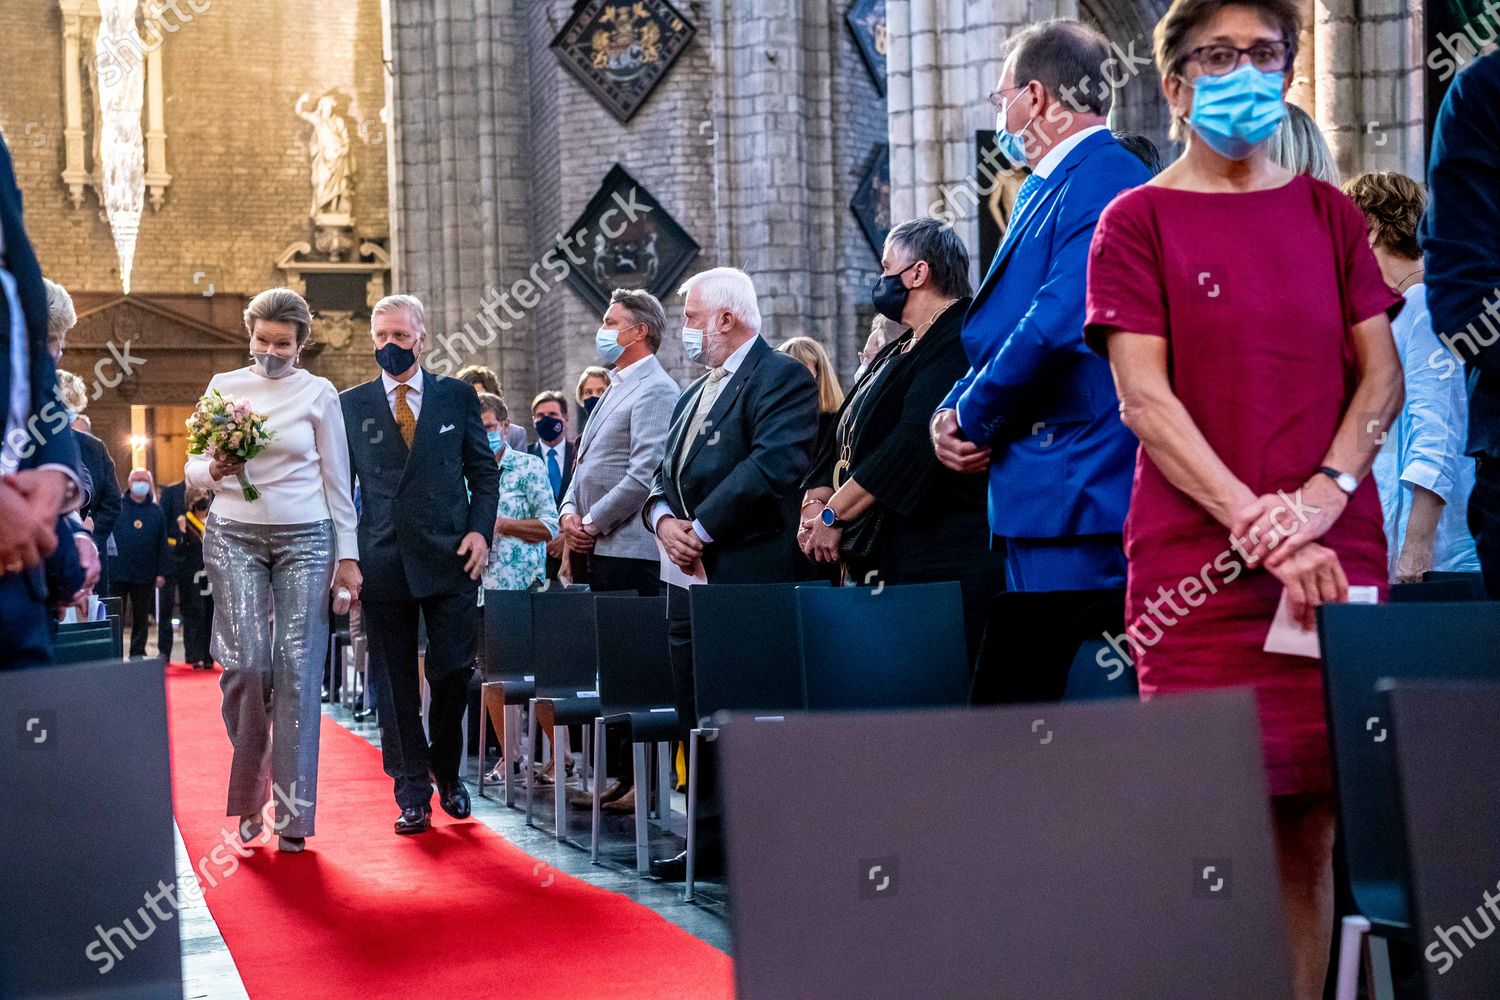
(741, 474)
(173, 502)
(416, 508)
(569, 459)
(104, 506)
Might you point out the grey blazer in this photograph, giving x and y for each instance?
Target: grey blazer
(617, 457)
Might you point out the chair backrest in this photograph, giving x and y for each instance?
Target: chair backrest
(1363, 645)
(1459, 588)
(1447, 747)
(85, 642)
(882, 647)
(635, 670)
(1010, 869)
(565, 657)
(508, 648)
(114, 607)
(745, 650)
(66, 874)
(1032, 648)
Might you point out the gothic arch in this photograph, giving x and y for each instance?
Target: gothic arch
(1139, 105)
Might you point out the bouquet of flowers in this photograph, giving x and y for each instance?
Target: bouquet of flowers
(228, 430)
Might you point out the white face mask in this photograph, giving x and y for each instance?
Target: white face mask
(692, 343)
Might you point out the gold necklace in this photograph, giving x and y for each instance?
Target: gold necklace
(917, 333)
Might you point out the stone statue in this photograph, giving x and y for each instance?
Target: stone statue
(332, 159)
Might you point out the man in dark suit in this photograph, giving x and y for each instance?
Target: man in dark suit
(1463, 278)
(173, 507)
(38, 457)
(723, 504)
(429, 488)
(549, 418)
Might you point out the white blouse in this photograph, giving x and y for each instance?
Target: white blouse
(303, 474)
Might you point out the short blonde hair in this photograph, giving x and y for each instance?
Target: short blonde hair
(812, 354)
(280, 305)
(592, 371)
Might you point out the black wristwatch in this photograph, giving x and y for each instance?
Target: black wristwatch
(1343, 480)
(830, 519)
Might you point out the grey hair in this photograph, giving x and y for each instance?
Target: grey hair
(1298, 145)
(61, 316)
(727, 289)
(946, 257)
(409, 304)
(1064, 54)
(280, 305)
(643, 307)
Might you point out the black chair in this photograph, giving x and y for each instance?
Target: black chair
(731, 673)
(84, 642)
(567, 680)
(114, 611)
(1447, 748)
(1457, 588)
(636, 691)
(1362, 646)
(507, 683)
(882, 647)
(1032, 647)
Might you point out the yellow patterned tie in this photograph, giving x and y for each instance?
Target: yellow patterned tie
(406, 421)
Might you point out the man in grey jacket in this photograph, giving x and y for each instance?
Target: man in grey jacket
(619, 453)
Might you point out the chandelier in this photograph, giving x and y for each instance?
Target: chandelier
(121, 144)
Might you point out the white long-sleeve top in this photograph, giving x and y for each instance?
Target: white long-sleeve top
(303, 474)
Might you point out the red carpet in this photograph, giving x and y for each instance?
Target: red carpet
(456, 912)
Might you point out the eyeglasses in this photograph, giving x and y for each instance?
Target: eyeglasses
(1218, 59)
(997, 98)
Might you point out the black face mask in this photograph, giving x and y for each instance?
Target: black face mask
(395, 359)
(889, 294)
(548, 428)
(589, 404)
(199, 506)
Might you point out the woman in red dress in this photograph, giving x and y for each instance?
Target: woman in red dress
(1247, 325)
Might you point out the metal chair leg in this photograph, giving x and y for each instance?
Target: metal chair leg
(600, 765)
(642, 803)
(1379, 984)
(586, 757)
(531, 731)
(1351, 947)
(692, 814)
(664, 771)
(510, 748)
(560, 781)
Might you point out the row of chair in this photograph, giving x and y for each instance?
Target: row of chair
(84, 642)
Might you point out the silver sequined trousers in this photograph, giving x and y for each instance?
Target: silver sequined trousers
(270, 585)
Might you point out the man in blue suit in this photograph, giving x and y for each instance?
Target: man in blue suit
(39, 478)
(1037, 406)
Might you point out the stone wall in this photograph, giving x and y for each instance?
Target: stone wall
(237, 154)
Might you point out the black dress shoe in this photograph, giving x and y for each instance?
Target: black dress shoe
(417, 819)
(363, 714)
(454, 798)
(708, 864)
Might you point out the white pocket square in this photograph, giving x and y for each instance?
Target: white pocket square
(445, 428)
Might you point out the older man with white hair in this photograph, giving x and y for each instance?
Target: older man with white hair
(724, 503)
(429, 488)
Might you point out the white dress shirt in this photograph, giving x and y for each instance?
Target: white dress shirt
(413, 398)
(1058, 153)
(731, 365)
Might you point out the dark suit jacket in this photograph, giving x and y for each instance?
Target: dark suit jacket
(741, 475)
(104, 506)
(173, 505)
(569, 459)
(51, 440)
(416, 508)
(1458, 239)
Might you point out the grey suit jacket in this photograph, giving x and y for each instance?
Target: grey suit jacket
(617, 457)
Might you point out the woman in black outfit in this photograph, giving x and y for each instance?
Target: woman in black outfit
(898, 515)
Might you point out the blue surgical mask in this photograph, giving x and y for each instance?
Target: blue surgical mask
(139, 489)
(692, 343)
(497, 441)
(607, 343)
(1238, 111)
(1011, 144)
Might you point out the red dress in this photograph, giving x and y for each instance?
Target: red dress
(1256, 294)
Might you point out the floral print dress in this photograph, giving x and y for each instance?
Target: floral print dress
(525, 494)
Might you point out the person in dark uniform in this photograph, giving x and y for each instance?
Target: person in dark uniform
(141, 541)
(173, 507)
(192, 581)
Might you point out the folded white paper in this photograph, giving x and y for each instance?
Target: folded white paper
(1286, 636)
(673, 575)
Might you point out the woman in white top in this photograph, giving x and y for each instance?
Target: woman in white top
(271, 564)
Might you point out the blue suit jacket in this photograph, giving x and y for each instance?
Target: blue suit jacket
(1061, 460)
